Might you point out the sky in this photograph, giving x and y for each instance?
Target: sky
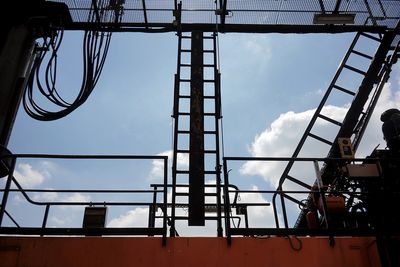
(271, 85)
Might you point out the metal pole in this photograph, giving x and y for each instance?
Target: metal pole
(7, 190)
(46, 214)
(227, 205)
(165, 204)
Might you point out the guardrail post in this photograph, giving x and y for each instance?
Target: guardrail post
(46, 215)
(165, 200)
(7, 190)
(227, 205)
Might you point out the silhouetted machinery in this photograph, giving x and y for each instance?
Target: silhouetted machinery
(363, 196)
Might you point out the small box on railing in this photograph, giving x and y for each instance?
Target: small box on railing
(95, 217)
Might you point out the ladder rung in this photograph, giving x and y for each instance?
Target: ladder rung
(204, 65)
(355, 69)
(208, 114)
(208, 51)
(187, 193)
(190, 37)
(344, 90)
(370, 36)
(188, 132)
(186, 151)
(187, 172)
(183, 132)
(330, 120)
(362, 54)
(205, 97)
(184, 218)
(186, 50)
(320, 139)
(184, 96)
(188, 80)
(181, 172)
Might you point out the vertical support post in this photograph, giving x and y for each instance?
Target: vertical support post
(196, 156)
(217, 108)
(46, 215)
(320, 185)
(15, 55)
(7, 190)
(284, 214)
(165, 204)
(152, 209)
(227, 204)
(176, 128)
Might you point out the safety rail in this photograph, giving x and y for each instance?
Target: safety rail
(324, 228)
(7, 167)
(211, 208)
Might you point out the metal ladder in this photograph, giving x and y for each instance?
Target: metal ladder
(196, 129)
(318, 115)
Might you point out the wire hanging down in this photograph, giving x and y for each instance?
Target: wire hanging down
(43, 81)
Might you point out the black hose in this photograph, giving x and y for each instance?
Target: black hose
(49, 104)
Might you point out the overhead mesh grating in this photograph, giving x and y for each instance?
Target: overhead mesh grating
(263, 12)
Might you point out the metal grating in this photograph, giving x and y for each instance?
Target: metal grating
(242, 12)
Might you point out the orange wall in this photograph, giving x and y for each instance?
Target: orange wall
(185, 252)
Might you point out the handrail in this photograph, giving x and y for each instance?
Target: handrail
(323, 192)
(140, 231)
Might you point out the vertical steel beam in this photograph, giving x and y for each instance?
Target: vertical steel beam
(196, 156)
(7, 191)
(15, 55)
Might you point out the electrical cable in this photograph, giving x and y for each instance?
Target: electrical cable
(300, 244)
(42, 100)
(218, 63)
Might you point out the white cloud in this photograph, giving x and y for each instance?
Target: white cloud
(46, 196)
(137, 217)
(259, 216)
(283, 135)
(74, 212)
(27, 176)
(60, 222)
(157, 170)
(281, 138)
(76, 197)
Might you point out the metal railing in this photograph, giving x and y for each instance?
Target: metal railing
(230, 202)
(8, 164)
(323, 191)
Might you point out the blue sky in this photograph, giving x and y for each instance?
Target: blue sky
(270, 85)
